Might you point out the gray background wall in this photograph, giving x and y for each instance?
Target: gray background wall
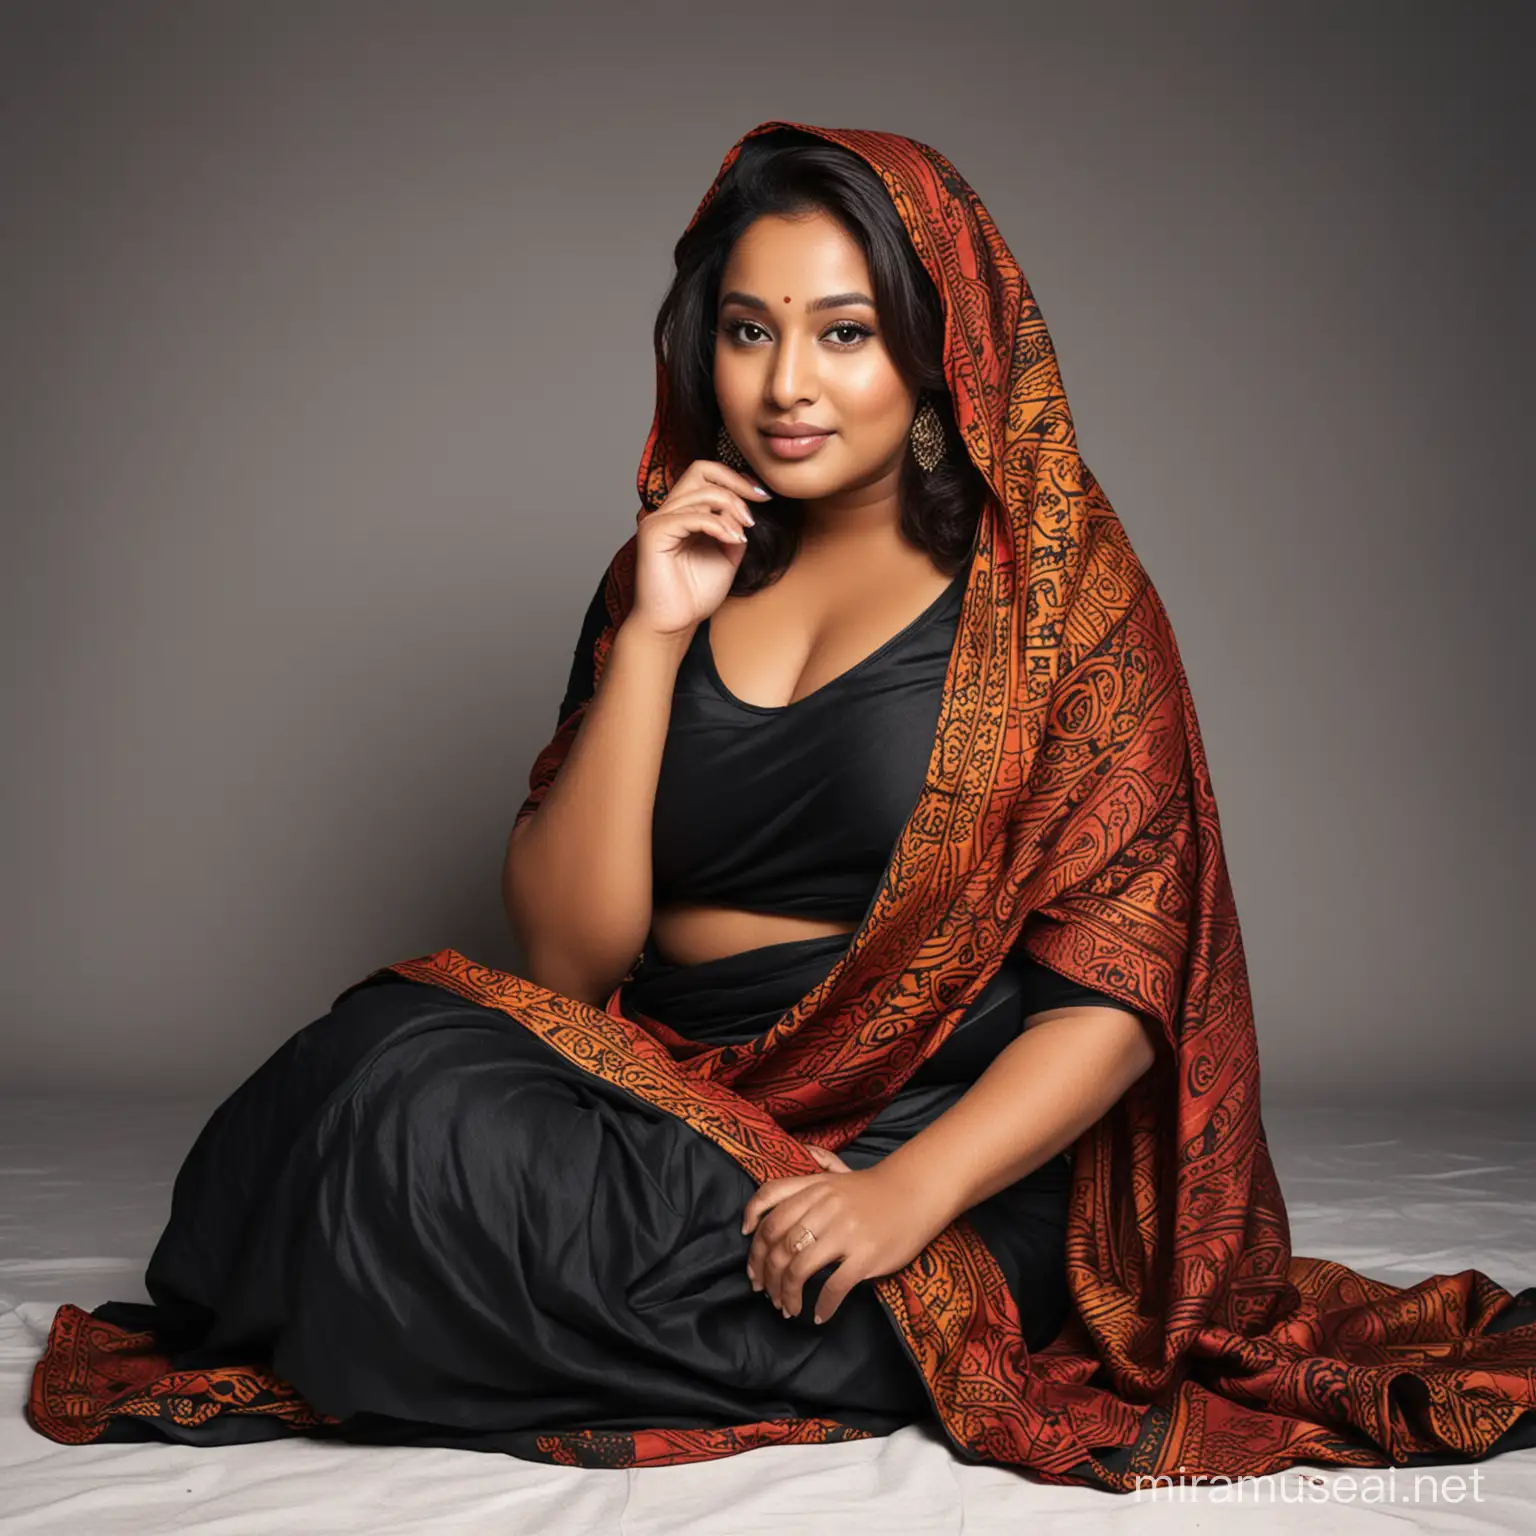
(325, 370)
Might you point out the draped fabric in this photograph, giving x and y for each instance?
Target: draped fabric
(1067, 807)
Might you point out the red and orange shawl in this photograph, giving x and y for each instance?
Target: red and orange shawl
(1067, 798)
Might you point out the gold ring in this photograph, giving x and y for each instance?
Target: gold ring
(806, 1236)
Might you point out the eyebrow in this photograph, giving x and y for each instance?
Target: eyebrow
(831, 301)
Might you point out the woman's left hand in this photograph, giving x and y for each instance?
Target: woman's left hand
(870, 1218)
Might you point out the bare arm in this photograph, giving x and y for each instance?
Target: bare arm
(1066, 1069)
(1039, 1094)
(576, 877)
(576, 881)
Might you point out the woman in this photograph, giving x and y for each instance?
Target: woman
(877, 929)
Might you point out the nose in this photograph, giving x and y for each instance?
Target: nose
(793, 378)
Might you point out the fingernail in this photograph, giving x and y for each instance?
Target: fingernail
(760, 491)
(816, 1317)
(741, 537)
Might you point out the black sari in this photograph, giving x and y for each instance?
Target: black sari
(438, 1231)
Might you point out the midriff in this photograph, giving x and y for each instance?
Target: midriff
(690, 935)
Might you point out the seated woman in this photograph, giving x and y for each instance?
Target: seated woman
(882, 1048)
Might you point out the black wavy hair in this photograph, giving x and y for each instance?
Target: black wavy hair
(788, 172)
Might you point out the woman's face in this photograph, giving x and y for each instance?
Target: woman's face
(786, 356)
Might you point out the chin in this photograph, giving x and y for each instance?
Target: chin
(803, 483)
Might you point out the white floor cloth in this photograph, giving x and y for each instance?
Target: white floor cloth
(84, 1190)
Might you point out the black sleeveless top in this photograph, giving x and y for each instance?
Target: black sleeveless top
(796, 808)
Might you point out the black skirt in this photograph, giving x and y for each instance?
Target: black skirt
(442, 1232)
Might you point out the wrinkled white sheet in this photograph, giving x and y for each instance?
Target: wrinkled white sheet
(84, 1189)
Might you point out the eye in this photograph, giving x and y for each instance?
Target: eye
(734, 328)
(859, 332)
(853, 332)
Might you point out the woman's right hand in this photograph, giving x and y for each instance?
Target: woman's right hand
(688, 548)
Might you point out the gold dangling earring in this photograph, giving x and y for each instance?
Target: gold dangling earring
(728, 453)
(927, 437)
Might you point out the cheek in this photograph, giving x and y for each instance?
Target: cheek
(874, 396)
(735, 386)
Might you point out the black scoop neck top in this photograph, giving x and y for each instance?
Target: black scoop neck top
(797, 807)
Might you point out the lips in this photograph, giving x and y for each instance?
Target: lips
(796, 429)
(798, 443)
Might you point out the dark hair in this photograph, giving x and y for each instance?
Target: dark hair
(787, 172)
